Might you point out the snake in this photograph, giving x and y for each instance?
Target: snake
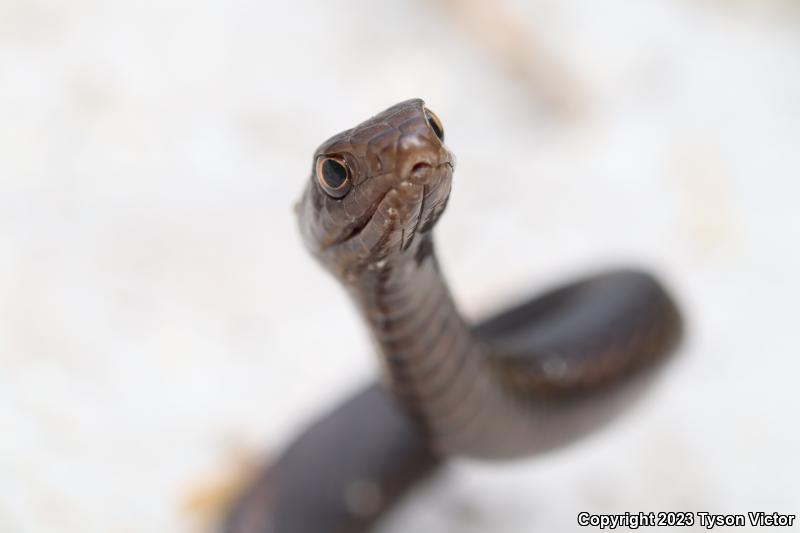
(534, 377)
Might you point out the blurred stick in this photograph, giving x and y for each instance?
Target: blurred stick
(493, 26)
(208, 498)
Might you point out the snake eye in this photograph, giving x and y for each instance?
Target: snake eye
(435, 124)
(333, 176)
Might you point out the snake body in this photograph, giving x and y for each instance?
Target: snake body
(530, 379)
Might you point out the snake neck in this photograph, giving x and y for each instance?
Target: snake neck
(431, 359)
(461, 390)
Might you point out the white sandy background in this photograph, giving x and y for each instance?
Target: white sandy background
(162, 329)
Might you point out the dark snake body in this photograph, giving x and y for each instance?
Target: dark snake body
(530, 379)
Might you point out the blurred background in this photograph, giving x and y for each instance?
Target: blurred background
(163, 331)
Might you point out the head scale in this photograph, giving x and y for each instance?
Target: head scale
(376, 187)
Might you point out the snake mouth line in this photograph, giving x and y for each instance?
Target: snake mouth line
(407, 237)
(361, 224)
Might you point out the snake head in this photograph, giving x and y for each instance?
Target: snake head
(375, 190)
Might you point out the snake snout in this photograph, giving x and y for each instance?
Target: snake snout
(421, 172)
(426, 170)
(419, 155)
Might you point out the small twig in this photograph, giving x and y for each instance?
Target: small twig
(519, 53)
